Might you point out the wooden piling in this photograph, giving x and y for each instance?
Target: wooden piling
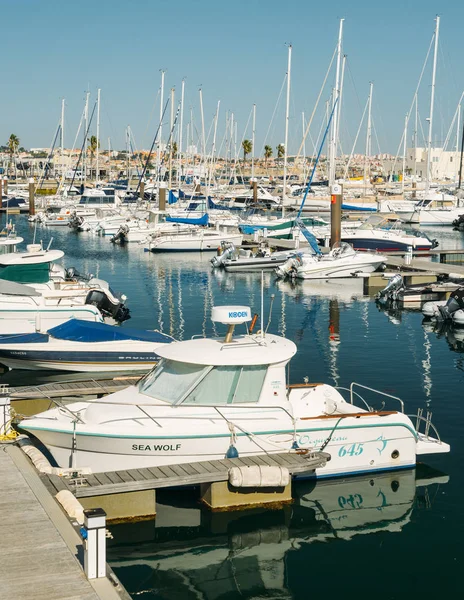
(162, 196)
(31, 197)
(1, 192)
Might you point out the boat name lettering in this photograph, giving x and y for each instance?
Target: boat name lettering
(237, 314)
(305, 440)
(156, 447)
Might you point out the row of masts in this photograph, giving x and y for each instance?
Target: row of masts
(336, 102)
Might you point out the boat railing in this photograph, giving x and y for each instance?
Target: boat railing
(419, 417)
(365, 387)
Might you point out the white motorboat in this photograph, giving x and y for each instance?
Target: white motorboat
(341, 261)
(211, 398)
(385, 235)
(439, 208)
(197, 239)
(83, 346)
(61, 293)
(245, 259)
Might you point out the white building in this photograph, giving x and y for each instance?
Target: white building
(444, 163)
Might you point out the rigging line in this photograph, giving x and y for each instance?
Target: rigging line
(83, 144)
(50, 155)
(308, 127)
(151, 149)
(150, 117)
(273, 114)
(308, 187)
(356, 140)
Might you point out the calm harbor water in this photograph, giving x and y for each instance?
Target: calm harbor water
(391, 535)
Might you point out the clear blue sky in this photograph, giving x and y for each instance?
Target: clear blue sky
(236, 51)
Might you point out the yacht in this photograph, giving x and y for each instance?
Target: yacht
(211, 398)
(341, 261)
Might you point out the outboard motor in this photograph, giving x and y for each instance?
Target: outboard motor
(109, 308)
(455, 303)
(120, 235)
(391, 291)
(459, 223)
(290, 266)
(225, 251)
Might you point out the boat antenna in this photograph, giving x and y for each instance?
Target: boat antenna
(270, 312)
(49, 244)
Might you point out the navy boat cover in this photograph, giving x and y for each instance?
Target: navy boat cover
(76, 330)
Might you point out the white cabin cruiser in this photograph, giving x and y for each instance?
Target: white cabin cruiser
(35, 293)
(197, 239)
(211, 398)
(341, 261)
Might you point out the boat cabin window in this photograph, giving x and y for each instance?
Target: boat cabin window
(171, 380)
(229, 385)
(175, 382)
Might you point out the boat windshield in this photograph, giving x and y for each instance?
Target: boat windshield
(183, 383)
(171, 380)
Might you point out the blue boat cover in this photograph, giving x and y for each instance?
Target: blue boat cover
(361, 208)
(200, 221)
(23, 338)
(172, 199)
(76, 330)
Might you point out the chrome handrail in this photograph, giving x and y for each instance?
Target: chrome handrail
(428, 424)
(375, 391)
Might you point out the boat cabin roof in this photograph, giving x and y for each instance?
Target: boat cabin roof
(243, 350)
(31, 258)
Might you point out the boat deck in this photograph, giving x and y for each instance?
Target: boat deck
(189, 474)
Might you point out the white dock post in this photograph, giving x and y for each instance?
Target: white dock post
(5, 411)
(94, 534)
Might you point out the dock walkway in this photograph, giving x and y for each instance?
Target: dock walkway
(39, 547)
(195, 473)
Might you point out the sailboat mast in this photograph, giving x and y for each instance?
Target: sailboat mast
(416, 118)
(253, 143)
(432, 100)
(97, 155)
(62, 127)
(368, 136)
(287, 112)
(458, 130)
(335, 108)
(203, 139)
(171, 137)
(405, 135)
(181, 130)
(86, 118)
(158, 158)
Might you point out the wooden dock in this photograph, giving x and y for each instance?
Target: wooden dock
(188, 474)
(416, 264)
(88, 387)
(40, 549)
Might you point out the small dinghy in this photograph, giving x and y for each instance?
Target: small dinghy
(83, 346)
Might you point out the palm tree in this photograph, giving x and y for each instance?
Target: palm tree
(267, 154)
(13, 145)
(280, 151)
(247, 148)
(174, 149)
(94, 143)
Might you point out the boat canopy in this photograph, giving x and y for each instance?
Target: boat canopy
(76, 330)
(190, 221)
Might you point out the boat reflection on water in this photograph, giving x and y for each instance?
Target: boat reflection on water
(188, 552)
(453, 335)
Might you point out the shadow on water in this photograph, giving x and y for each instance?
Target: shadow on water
(189, 552)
